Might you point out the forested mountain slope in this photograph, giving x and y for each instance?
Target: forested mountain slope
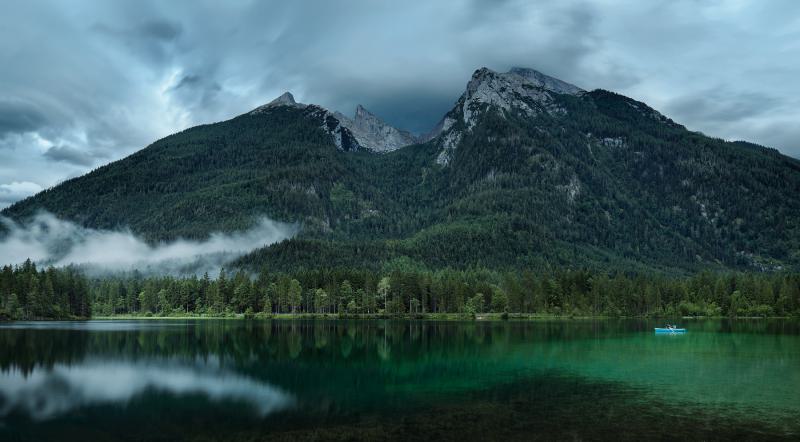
(525, 171)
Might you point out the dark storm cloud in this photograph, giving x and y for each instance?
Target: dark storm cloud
(19, 116)
(196, 93)
(70, 155)
(158, 30)
(92, 81)
(723, 105)
(188, 81)
(161, 30)
(409, 65)
(153, 41)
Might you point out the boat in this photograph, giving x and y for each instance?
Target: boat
(670, 330)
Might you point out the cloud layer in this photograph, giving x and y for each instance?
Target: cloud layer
(50, 241)
(88, 82)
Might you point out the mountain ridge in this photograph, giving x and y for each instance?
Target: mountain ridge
(364, 131)
(525, 171)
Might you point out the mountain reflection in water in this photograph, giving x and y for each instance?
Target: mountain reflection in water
(397, 380)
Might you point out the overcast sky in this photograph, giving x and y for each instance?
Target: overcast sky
(83, 83)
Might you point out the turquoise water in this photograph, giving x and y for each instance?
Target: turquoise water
(398, 380)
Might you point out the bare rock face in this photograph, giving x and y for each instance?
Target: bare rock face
(521, 90)
(546, 82)
(364, 131)
(374, 134)
(527, 90)
(286, 99)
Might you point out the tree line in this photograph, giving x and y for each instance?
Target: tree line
(405, 290)
(401, 288)
(52, 293)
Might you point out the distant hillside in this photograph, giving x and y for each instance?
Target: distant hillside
(524, 171)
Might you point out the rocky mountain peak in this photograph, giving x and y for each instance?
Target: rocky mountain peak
(547, 82)
(285, 99)
(364, 131)
(516, 76)
(374, 134)
(478, 77)
(522, 90)
(526, 90)
(362, 113)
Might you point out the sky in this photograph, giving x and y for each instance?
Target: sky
(84, 83)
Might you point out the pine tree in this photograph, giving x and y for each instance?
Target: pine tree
(295, 294)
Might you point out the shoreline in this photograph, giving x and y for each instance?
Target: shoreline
(485, 317)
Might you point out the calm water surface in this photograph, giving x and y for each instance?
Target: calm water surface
(398, 380)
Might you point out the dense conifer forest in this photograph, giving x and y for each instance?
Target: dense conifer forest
(402, 290)
(53, 293)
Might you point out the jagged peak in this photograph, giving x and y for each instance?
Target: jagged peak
(481, 72)
(374, 134)
(528, 76)
(521, 89)
(285, 99)
(478, 78)
(545, 81)
(362, 114)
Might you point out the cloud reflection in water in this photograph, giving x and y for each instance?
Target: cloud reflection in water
(45, 393)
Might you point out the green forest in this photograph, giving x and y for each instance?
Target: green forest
(406, 291)
(53, 293)
(401, 289)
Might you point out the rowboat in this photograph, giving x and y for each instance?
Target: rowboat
(670, 330)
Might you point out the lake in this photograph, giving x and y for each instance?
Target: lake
(398, 380)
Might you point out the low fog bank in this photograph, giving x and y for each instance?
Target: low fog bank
(47, 240)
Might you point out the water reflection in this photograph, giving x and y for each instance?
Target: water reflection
(48, 392)
(279, 374)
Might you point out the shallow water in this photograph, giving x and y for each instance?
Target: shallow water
(398, 380)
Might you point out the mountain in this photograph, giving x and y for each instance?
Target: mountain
(524, 90)
(525, 171)
(374, 134)
(364, 131)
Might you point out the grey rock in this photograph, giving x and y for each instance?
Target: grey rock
(374, 134)
(547, 82)
(286, 99)
(363, 131)
(521, 90)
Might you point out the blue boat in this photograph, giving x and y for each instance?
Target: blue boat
(670, 330)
